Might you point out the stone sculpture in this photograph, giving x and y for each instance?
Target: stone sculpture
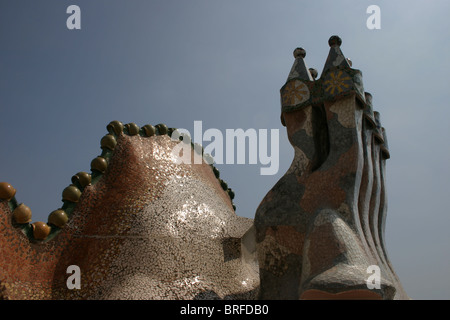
(322, 225)
(142, 226)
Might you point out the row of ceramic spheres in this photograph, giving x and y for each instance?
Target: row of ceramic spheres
(59, 218)
(22, 213)
(116, 127)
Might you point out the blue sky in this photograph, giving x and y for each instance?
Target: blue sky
(223, 63)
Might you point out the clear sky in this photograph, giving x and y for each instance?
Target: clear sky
(223, 63)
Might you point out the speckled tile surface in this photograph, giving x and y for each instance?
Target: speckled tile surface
(147, 229)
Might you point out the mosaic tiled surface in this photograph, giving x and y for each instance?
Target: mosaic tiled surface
(322, 225)
(146, 228)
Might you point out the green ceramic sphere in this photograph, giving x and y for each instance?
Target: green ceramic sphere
(83, 178)
(108, 142)
(224, 185)
(149, 130)
(22, 214)
(99, 164)
(7, 192)
(162, 128)
(58, 218)
(71, 193)
(133, 128)
(216, 172)
(40, 230)
(115, 127)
